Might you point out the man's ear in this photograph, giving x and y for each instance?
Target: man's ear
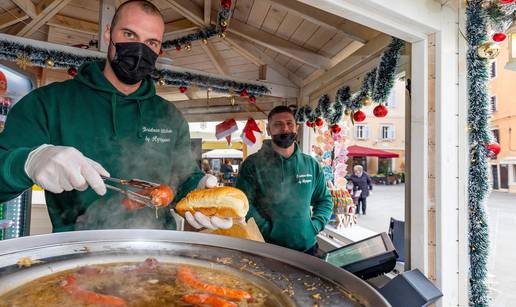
(107, 34)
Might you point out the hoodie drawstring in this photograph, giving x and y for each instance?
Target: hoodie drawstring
(113, 115)
(140, 120)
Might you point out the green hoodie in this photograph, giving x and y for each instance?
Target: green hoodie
(280, 192)
(140, 135)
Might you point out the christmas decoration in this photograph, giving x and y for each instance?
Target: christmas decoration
(494, 148)
(499, 37)
(226, 4)
(243, 93)
(319, 122)
(225, 129)
(488, 50)
(23, 60)
(72, 71)
(506, 1)
(178, 47)
(309, 124)
(49, 62)
(222, 35)
(380, 111)
(366, 101)
(205, 41)
(335, 128)
(3, 83)
(248, 134)
(183, 89)
(188, 46)
(252, 99)
(161, 82)
(359, 116)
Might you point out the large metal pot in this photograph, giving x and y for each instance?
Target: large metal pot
(292, 276)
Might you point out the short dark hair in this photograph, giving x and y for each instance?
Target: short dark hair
(146, 6)
(279, 109)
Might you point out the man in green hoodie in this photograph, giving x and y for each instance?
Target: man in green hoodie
(58, 136)
(283, 185)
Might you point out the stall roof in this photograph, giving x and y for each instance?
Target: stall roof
(361, 151)
(223, 153)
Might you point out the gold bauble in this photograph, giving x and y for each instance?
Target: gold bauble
(222, 35)
(204, 41)
(347, 112)
(161, 82)
(188, 46)
(488, 50)
(232, 99)
(23, 60)
(224, 23)
(49, 62)
(367, 101)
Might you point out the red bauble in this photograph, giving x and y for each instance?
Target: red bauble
(359, 116)
(494, 148)
(506, 1)
(380, 111)
(309, 124)
(252, 99)
(226, 4)
(72, 71)
(178, 47)
(183, 89)
(499, 37)
(335, 128)
(243, 93)
(319, 122)
(223, 28)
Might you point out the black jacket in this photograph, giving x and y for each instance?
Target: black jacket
(362, 183)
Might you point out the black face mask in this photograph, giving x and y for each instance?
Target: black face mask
(284, 140)
(133, 61)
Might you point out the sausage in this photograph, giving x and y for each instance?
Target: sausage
(90, 297)
(208, 300)
(185, 275)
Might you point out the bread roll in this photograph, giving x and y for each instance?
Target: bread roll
(223, 202)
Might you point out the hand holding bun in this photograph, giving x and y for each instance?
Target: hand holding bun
(214, 208)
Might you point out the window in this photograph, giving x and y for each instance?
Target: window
(492, 70)
(361, 132)
(496, 135)
(493, 103)
(387, 132)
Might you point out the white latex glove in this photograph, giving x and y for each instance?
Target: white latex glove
(62, 168)
(199, 220)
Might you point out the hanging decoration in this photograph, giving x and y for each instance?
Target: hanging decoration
(225, 129)
(219, 28)
(248, 134)
(483, 18)
(28, 52)
(3, 84)
(376, 87)
(72, 71)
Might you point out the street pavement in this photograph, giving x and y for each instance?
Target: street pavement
(388, 201)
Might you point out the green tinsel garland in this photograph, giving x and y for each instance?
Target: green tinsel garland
(480, 135)
(377, 84)
(11, 48)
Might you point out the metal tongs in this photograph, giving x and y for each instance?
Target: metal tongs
(136, 184)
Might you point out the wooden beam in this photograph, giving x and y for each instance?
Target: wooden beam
(46, 9)
(107, 9)
(215, 58)
(207, 12)
(179, 26)
(27, 6)
(65, 22)
(246, 53)
(224, 101)
(339, 57)
(370, 49)
(189, 10)
(11, 17)
(321, 18)
(279, 45)
(269, 61)
(216, 117)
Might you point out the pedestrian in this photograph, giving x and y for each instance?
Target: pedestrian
(362, 183)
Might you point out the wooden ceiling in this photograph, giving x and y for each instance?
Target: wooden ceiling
(282, 42)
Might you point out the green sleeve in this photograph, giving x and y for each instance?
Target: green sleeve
(321, 201)
(26, 128)
(247, 184)
(186, 174)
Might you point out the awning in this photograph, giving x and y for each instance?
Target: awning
(360, 151)
(223, 153)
